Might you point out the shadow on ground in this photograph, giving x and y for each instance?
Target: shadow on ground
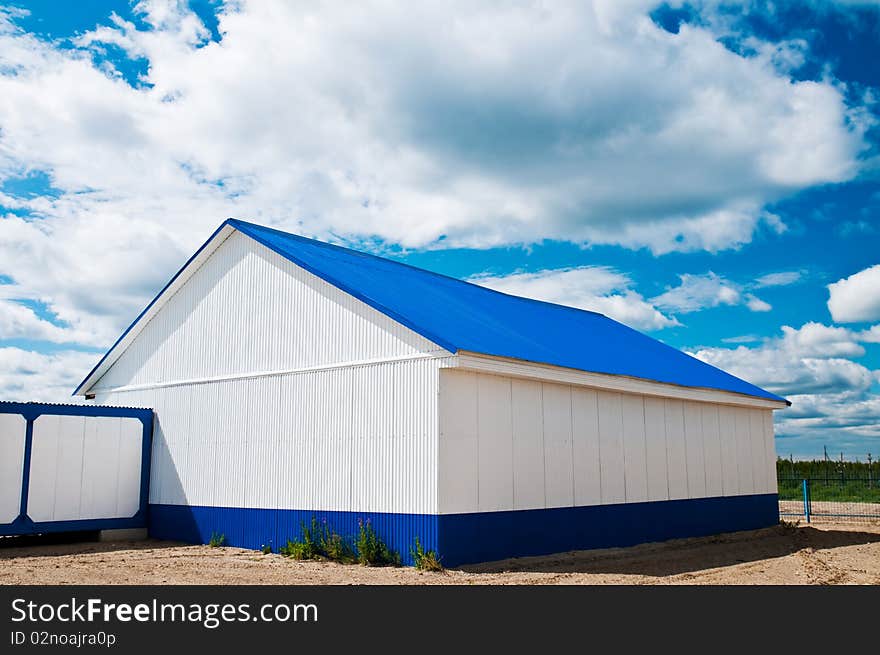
(685, 555)
(70, 543)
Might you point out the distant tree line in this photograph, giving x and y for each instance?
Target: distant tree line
(826, 469)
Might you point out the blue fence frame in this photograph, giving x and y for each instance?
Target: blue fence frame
(23, 524)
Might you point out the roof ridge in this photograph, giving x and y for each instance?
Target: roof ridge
(460, 315)
(324, 244)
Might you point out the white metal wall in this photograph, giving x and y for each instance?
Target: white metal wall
(360, 438)
(246, 310)
(12, 436)
(509, 443)
(354, 422)
(350, 425)
(85, 467)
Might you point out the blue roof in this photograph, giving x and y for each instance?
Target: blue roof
(458, 315)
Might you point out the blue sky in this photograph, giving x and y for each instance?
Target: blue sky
(706, 172)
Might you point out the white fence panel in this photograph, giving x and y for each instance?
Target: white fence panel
(84, 468)
(12, 433)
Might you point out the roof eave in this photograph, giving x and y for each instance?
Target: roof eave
(494, 364)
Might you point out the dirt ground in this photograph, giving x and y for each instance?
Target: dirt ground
(830, 553)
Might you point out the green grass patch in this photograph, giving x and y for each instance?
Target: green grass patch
(846, 491)
(425, 560)
(319, 542)
(217, 540)
(371, 550)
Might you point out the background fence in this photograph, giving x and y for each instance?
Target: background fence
(829, 490)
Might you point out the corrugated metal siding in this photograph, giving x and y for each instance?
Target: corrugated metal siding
(590, 447)
(360, 438)
(350, 437)
(247, 309)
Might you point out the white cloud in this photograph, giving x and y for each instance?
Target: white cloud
(831, 395)
(439, 125)
(756, 304)
(442, 125)
(856, 298)
(95, 275)
(27, 375)
(847, 422)
(20, 322)
(697, 292)
(787, 373)
(781, 279)
(817, 340)
(871, 335)
(595, 288)
(811, 359)
(745, 338)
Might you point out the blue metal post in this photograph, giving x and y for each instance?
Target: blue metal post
(26, 468)
(807, 499)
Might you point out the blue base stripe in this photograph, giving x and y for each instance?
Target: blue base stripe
(479, 537)
(487, 536)
(253, 528)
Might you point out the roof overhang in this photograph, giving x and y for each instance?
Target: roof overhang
(547, 373)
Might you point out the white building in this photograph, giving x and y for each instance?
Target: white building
(291, 379)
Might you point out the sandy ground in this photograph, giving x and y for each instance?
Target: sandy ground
(819, 554)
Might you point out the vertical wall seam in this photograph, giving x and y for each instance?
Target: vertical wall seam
(720, 449)
(687, 477)
(82, 469)
(543, 442)
(739, 485)
(599, 444)
(622, 443)
(669, 467)
(571, 445)
(645, 446)
(512, 444)
(116, 467)
(477, 425)
(703, 453)
(54, 479)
